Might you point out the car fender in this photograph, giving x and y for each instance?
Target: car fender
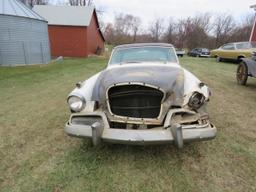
(251, 65)
(191, 85)
(86, 88)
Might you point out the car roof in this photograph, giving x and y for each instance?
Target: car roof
(144, 45)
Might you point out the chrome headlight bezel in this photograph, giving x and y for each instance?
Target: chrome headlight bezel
(196, 100)
(76, 102)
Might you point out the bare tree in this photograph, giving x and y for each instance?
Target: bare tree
(249, 19)
(171, 32)
(203, 21)
(122, 24)
(202, 30)
(223, 27)
(31, 3)
(80, 2)
(124, 30)
(136, 22)
(129, 24)
(109, 33)
(242, 32)
(156, 29)
(183, 29)
(199, 32)
(190, 32)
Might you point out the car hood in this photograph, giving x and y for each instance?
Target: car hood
(167, 77)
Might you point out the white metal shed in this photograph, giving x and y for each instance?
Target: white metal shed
(23, 35)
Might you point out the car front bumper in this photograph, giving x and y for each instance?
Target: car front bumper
(203, 55)
(175, 134)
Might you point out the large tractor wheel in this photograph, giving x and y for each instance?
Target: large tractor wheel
(242, 73)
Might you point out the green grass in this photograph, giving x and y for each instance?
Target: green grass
(36, 155)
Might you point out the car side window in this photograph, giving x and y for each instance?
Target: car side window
(228, 47)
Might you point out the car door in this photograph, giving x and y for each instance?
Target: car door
(195, 52)
(227, 51)
(191, 52)
(198, 52)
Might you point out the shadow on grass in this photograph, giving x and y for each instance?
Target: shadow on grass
(250, 85)
(145, 152)
(232, 62)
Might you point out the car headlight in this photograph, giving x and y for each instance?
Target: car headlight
(196, 100)
(76, 103)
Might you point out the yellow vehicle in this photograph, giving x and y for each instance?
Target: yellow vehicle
(234, 51)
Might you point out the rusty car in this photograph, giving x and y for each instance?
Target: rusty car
(143, 97)
(246, 68)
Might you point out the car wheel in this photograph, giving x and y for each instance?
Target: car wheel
(242, 73)
(218, 59)
(197, 55)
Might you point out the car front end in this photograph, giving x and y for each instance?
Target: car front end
(180, 52)
(141, 103)
(205, 53)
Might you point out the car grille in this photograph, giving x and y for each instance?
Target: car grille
(135, 101)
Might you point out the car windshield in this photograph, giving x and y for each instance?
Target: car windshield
(205, 50)
(143, 54)
(246, 45)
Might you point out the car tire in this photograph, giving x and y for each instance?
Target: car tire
(242, 73)
(218, 59)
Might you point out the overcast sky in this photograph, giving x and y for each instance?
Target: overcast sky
(148, 10)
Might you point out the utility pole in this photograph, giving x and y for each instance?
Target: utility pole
(253, 33)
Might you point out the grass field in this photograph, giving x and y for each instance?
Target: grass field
(36, 155)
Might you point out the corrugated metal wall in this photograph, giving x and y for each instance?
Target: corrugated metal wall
(23, 41)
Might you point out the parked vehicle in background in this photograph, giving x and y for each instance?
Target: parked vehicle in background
(234, 51)
(180, 52)
(246, 68)
(199, 52)
(143, 97)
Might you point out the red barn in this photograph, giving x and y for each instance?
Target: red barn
(253, 33)
(73, 30)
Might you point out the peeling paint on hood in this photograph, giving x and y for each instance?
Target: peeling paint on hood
(168, 77)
